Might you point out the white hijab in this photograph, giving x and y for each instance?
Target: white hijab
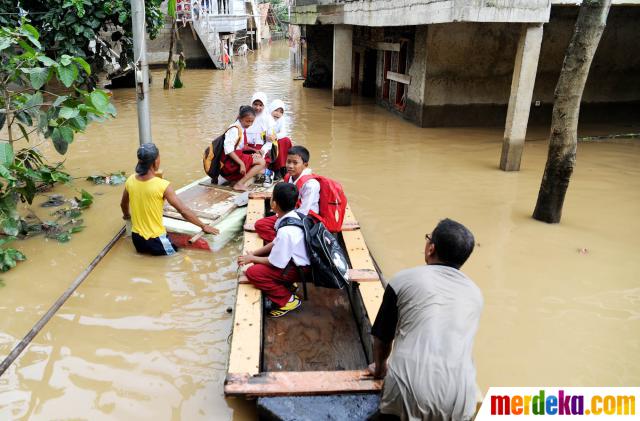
(263, 122)
(275, 104)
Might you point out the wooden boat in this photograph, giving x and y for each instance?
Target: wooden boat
(313, 360)
(214, 205)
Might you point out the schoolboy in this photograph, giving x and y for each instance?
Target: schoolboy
(274, 264)
(309, 188)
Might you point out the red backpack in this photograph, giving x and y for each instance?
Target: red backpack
(332, 203)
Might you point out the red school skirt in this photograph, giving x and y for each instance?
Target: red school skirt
(231, 170)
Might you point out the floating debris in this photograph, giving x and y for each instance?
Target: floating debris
(583, 250)
(54, 200)
(113, 179)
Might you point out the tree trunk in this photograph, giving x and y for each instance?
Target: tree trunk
(566, 109)
(168, 79)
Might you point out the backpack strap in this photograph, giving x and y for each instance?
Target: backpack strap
(301, 180)
(239, 134)
(292, 222)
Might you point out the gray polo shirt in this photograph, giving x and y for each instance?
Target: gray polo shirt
(432, 313)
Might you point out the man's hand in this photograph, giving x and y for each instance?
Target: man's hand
(245, 260)
(377, 373)
(210, 230)
(243, 169)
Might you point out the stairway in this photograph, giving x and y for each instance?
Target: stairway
(209, 38)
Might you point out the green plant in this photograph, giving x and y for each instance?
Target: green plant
(27, 108)
(73, 27)
(9, 256)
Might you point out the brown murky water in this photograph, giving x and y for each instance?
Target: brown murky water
(146, 338)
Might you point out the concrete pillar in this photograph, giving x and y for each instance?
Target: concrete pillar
(524, 77)
(342, 56)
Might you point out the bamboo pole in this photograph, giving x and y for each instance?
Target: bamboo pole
(17, 350)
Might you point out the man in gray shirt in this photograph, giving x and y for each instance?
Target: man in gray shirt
(430, 314)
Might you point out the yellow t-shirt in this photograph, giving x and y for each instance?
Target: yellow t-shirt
(146, 200)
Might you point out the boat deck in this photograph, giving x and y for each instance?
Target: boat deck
(319, 336)
(322, 348)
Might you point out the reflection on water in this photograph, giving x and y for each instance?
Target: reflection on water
(146, 338)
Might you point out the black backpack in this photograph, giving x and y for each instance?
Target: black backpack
(212, 158)
(329, 264)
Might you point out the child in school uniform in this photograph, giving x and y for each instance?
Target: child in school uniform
(237, 165)
(277, 109)
(261, 134)
(309, 190)
(274, 264)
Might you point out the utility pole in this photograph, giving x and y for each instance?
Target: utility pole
(141, 70)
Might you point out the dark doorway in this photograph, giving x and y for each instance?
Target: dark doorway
(369, 73)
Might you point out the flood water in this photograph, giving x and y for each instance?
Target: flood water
(147, 338)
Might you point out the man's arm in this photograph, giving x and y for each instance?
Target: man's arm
(187, 213)
(124, 205)
(383, 331)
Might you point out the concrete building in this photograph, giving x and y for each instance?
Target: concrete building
(205, 28)
(467, 62)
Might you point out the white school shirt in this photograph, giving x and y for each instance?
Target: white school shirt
(289, 244)
(231, 137)
(281, 127)
(309, 194)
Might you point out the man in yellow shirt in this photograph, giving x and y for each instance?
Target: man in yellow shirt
(142, 202)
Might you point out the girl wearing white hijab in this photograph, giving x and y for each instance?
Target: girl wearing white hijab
(276, 109)
(261, 134)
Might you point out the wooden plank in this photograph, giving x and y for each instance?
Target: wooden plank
(363, 275)
(287, 383)
(399, 77)
(255, 211)
(263, 194)
(371, 293)
(252, 242)
(350, 222)
(357, 250)
(244, 355)
(321, 335)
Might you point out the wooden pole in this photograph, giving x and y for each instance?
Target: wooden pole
(17, 350)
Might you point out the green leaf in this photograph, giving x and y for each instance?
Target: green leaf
(66, 75)
(38, 77)
(6, 174)
(85, 66)
(100, 100)
(68, 113)
(35, 99)
(58, 142)
(24, 118)
(60, 100)
(5, 43)
(46, 61)
(79, 123)
(31, 33)
(76, 229)
(25, 135)
(65, 60)
(6, 154)
(26, 47)
(86, 199)
(10, 226)
(66, 133)
(63, 237)
(111, 109)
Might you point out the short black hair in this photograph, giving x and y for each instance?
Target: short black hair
(246, 110)
(301, 151)
(286, 196)
(453, 242)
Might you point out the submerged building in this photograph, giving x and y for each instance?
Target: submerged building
(467, 62)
